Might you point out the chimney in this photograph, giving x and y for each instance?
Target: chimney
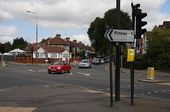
(68, 39)
(58, 35)
(75, 41)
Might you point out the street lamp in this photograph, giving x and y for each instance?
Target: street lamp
(36, 23)
(36, 30)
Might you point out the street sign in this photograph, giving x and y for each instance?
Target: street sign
(115, 35)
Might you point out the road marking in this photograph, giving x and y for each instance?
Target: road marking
(42, 70)
(30, 70)
(142, 94)
(155, 91)
(6, 89)
(163, 91)
(71, 73)
(83, 73)
(108, 89)
(148, 92)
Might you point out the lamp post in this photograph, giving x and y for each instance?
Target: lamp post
(36, 29)
(36, 23)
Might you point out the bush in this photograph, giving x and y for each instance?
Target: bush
(141, 62)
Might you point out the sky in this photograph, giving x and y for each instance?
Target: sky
(69, 18)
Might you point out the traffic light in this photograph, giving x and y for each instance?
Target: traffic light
(138, 22)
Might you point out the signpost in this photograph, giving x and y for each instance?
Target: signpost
(115, 35)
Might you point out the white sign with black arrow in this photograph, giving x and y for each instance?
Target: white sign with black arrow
(115, 35)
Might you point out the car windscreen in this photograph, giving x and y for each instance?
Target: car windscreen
(58, 63)
(85, 61)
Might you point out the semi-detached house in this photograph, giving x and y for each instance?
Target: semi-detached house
(57, 49)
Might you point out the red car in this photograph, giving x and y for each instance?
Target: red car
(59, 67)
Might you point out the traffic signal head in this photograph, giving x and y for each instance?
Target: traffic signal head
(139, 23)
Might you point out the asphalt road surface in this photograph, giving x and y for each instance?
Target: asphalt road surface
(27, 77)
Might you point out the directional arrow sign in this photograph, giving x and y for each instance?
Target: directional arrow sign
(115, 35)
(108, 34)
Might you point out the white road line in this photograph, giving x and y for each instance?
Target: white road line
(155, 91)
(163, 91)
(42, 70)
(148, 92)
(6, 89)
(83, 73)
(30, 70)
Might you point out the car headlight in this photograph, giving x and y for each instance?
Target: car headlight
(58, 67)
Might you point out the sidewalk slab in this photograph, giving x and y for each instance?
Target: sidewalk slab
(16, 109)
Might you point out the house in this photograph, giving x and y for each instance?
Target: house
(56, 48)
(166, 24)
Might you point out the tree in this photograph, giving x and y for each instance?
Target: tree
(2, 48)
(8, 46)
(96, 33)
(98, 27)
(158, 51)
(19, 43)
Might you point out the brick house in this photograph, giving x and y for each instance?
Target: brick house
(55, 49)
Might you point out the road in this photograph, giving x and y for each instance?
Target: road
(28, 79)
(96, 78)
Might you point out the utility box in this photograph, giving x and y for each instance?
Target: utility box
(150, 72)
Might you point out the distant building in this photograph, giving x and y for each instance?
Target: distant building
(166, 24)
(57, 48)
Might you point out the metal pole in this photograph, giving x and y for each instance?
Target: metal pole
(132, 63)
(36, 31)
(111, 82)
(117, 67)
(132, 82)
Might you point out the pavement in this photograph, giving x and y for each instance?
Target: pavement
(67, 98)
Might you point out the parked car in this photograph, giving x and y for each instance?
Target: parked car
(85, 63)
(59, 67)
(96, 61)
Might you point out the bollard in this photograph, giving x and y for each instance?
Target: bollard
(150, 72)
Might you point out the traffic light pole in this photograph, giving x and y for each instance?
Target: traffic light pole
(117, 67)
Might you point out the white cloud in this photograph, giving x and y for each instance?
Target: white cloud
(81, 38)
(7, 33)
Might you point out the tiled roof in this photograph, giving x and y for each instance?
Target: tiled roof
(47, 48)
(166, 24)
(52, 49)
(56, 41)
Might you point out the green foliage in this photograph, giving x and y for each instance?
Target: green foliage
(141, 62)
(19, 43)
(158, 51)
(98, 27)
(6, 47)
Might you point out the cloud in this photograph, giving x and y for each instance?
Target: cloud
(7, 33)
(81, 38)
